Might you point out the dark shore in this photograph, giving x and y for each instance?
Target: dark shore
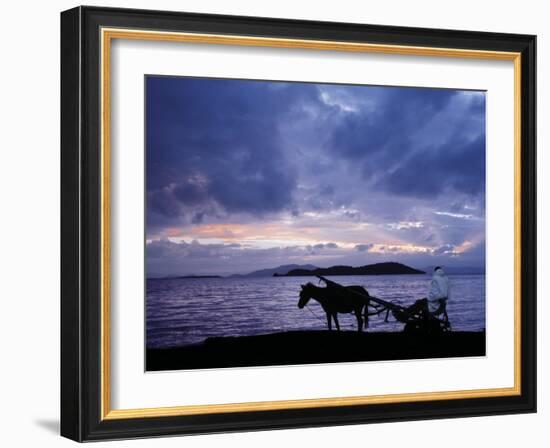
(312, 347)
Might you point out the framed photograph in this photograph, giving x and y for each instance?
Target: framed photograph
(273, 223)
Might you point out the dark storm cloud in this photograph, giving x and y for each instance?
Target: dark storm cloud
(458, 165)
(189, 192)
(222, 141)
(386, 129)
(417, 142)
(218, 140)
(164, 203)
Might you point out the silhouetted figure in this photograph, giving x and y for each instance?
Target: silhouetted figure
(336, 299)
(438, 295)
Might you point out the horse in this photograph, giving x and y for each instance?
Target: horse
(335, 300)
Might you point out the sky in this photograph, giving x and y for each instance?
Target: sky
(244, 175)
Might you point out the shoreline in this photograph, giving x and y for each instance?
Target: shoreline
(314, 347)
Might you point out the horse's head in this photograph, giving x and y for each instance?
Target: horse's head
(305, 295)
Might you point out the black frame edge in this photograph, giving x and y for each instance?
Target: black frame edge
(71, 384)
(529, 223)
(80, 164)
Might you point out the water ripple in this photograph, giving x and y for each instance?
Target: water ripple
(187, 311)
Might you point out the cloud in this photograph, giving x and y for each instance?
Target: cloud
(166, 257)
(285, 164)
(456, 215)
(191, 190)
(444, 249)
(418, 142)
(219, 141)
(320, 246)
(458, 166)
(364, 247)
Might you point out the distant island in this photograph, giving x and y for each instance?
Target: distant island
(390, 268)
(279, 270)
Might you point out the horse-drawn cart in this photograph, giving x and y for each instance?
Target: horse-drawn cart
(416, 318)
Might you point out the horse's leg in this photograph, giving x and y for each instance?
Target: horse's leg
(366, 315)
(335, 315)
(329, 321)
(359, 320)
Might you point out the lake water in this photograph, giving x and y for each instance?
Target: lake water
(187, 311)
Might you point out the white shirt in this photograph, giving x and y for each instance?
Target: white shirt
(439, 289)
